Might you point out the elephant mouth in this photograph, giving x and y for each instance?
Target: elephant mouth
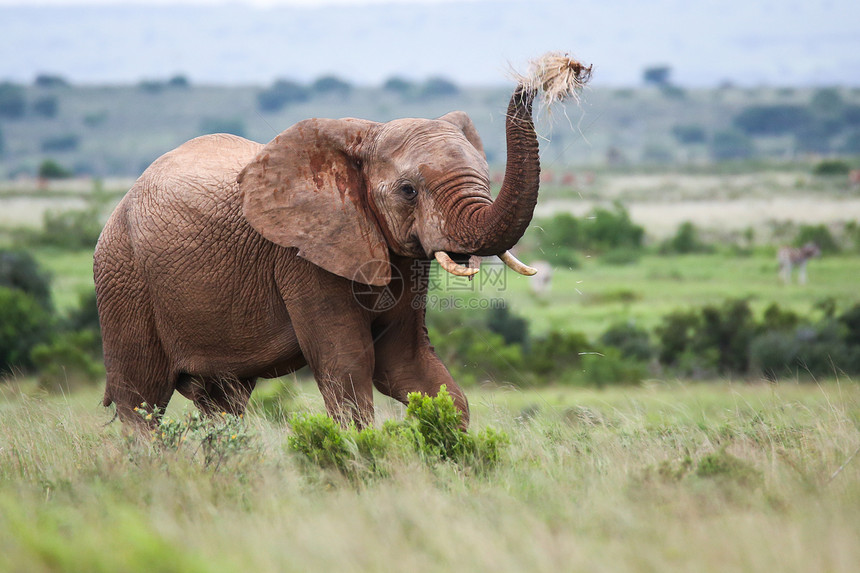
(464, 265)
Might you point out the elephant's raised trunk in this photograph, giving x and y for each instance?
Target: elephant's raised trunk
(492, 229)
(501, 224)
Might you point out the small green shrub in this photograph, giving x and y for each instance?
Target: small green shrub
(321, 440)
(723, 466)
(831, 167)
(431, 429)
(685, 241)
(218, 437)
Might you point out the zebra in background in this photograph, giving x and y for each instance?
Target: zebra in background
(790, 258)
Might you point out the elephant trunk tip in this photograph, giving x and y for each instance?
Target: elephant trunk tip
(558, 75)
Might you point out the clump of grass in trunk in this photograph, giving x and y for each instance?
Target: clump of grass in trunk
(431, 430)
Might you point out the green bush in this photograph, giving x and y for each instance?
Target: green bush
(850, 319)
(610, 368)
(476, 351)
(321, 440)
(774, 353)
(831, 167)
(431, 429)
(818, 234)
(68, 361)
(685, 241)
(217, 438)
(675, 335)
(50, 169)
(20, 271)
(512, 328)
(727, 329)
(557, 352)
(631, 341)
(24, 324)
(72, 229)
(607, 229)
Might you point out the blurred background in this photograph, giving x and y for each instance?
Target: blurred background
(712, 135)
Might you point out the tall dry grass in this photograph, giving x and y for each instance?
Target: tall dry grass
(671, 477)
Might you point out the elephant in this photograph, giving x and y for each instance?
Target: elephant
(229, 260)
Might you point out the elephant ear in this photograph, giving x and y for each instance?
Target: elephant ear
(464, 123)
(305, 189)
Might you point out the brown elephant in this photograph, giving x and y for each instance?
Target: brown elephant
(229, 260)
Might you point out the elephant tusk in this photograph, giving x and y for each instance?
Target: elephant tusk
(516, 265)
(449, 265)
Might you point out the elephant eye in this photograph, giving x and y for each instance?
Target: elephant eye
(408, 191)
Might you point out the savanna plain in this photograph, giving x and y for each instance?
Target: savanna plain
(667, 404)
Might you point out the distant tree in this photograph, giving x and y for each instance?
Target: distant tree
(439, 87)
(851, 116)
(331, 85)
(96, 118)
(178, 81)
(657, 75)
(50, 169)
(850, 145)
(774, 119)
(46, 106)
(223, 125)
(731, 145)
(672, 92)
(280, 94)
(817, 136)
(827, 101)
(398, 85)
(689, 134)
(61, 143)
(12, 101)
(50, 81)
(151, 86)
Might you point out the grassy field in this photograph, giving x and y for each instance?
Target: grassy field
(667, 477)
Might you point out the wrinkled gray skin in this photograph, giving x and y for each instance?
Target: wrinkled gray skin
(229, 260)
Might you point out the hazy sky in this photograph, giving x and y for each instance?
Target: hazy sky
(705, 42)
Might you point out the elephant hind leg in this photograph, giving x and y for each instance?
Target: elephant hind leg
(214, 395)
(137, 367)
(137, 372)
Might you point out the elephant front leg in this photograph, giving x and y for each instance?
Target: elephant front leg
(340, 354)
(406, 363)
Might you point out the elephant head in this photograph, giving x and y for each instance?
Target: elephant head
(346, 191)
